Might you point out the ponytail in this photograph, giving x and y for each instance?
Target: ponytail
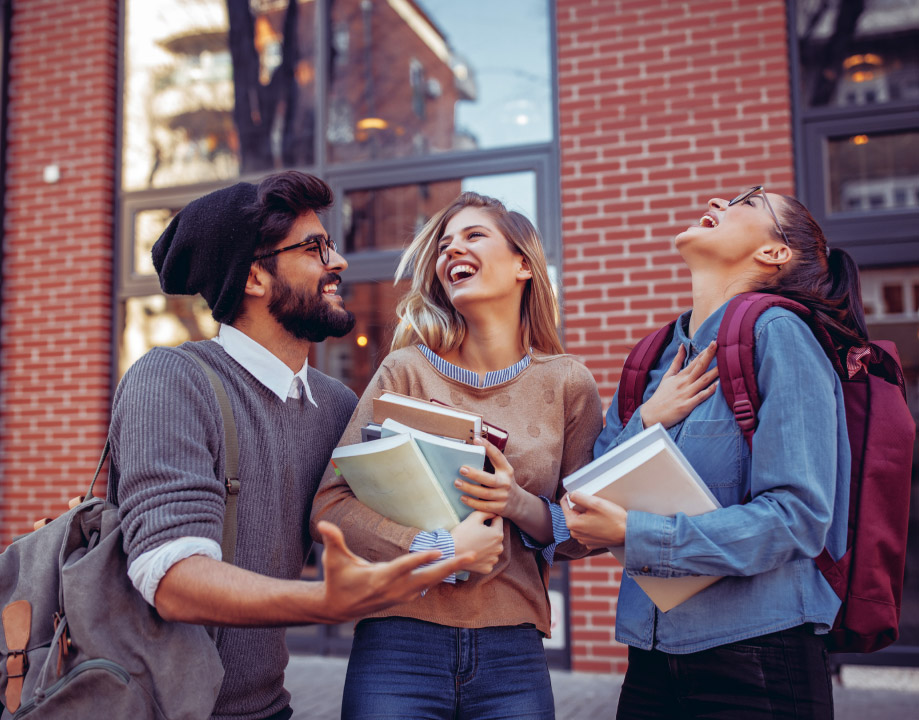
(825, 281)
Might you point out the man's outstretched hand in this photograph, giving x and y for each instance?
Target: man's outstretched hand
(355, 587)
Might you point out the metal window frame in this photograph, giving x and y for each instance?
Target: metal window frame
(873, 239)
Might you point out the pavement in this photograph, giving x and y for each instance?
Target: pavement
(859, 692)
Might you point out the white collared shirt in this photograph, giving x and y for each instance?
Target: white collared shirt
(263, 365)
(148, 569)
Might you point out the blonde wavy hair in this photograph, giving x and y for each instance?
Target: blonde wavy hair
(425, 312)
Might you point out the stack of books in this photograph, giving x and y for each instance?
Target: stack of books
(410, 458)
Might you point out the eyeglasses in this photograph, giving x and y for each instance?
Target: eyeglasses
(325, 244)
(759, 189)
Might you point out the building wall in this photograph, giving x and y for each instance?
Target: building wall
(55, 310)
(663, 104)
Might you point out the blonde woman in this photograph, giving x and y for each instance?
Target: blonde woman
(478, 331)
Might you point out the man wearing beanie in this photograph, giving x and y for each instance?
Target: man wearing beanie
(262, 260)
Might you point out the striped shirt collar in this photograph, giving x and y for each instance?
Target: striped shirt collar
(467, 377)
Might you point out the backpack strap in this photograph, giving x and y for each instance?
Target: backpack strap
(17, 626)
(736, 352)
(231, 479)
(638, 365)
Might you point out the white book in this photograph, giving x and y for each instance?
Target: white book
(445, 456)
(649, 473)
(392, 476)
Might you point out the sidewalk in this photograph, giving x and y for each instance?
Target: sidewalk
(861, 693)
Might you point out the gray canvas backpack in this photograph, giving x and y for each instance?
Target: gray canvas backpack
(78, 641)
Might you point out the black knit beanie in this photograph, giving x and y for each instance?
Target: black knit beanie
(208, 248)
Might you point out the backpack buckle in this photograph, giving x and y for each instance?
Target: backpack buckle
(744, 414)
(232, 486)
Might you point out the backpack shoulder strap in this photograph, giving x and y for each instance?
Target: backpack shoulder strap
(638, 365)
(736, 352)
(231, 481)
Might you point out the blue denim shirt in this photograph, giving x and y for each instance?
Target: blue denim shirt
(798, 477)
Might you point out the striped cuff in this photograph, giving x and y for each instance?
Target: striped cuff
(559, 532)
(436, 540)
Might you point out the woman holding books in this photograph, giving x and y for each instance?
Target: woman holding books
(478, 332)
(749, 645)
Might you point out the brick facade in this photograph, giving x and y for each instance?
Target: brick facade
(55, 314)
(663, 104)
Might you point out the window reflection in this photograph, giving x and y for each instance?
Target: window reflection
(148, 226)
(162, 320)
(858, 53)
(199, 107)
(354, 358)
(877, 171)
(413, 77)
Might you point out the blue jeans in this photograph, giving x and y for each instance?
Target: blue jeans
(402, 668)
(781, 675)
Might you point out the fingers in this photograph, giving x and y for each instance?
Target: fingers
(334, 542)
(701, 361)
(706, 384)
(496, 456)
(677, 361)
(482, 492)
(591, 502)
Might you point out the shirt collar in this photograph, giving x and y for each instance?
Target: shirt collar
(705, 333)
(263, 365)
(468, 377)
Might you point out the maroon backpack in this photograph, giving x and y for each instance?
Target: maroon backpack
(868, 578)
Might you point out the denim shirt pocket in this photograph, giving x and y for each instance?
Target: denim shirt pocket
(715, 449)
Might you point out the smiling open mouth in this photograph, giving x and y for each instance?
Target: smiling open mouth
(707, 221)
(461, 272)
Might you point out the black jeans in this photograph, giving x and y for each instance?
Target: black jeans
(781, 675)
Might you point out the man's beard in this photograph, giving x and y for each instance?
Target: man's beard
(308, 316)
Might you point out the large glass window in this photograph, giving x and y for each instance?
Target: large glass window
(412, 78)
(858, 53)
(397, 104)
(874, 171)
(216, 88)
(856, 93)
(386, 219)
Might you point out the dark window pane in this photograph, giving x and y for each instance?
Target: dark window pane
(858, 52)
(877, 171)
(413, 78)
(199, 108)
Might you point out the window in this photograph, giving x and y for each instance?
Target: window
(398, 104)
(856, 101)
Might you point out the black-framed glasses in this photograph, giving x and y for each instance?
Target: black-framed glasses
(325, 244)
(759, 189)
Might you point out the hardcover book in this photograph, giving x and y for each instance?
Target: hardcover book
(650, 473)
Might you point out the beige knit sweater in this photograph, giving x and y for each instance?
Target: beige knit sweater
(552, 413)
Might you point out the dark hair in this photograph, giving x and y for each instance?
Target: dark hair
(281, 199)
(825, 282)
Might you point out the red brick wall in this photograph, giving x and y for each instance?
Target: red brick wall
(663, 104)
(55, 311)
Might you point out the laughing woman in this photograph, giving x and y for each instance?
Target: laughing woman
(748, 646)
(477, 331)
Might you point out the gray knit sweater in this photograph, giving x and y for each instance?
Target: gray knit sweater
(168, 453)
